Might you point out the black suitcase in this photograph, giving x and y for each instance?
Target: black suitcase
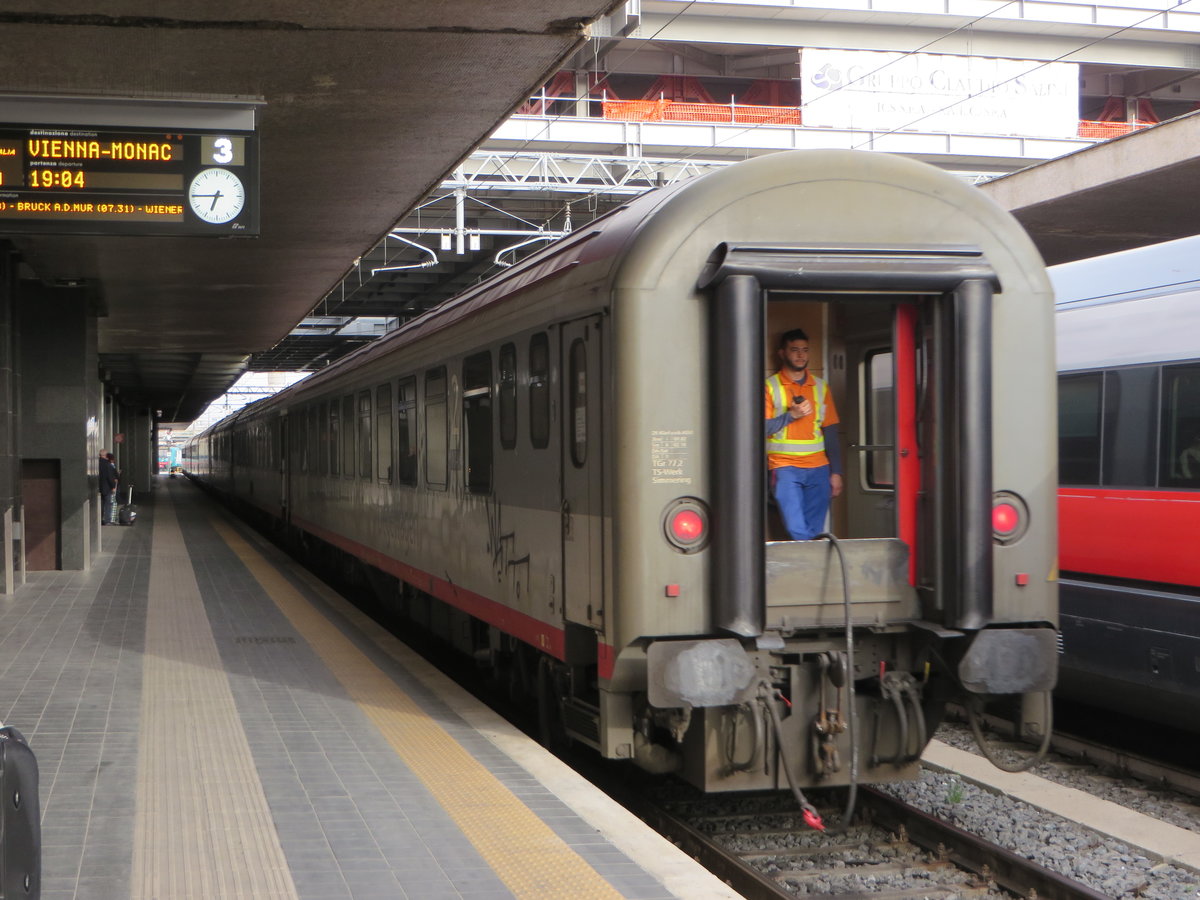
(127, 515)
(20, 818)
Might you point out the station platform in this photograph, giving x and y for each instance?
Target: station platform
(211, 721)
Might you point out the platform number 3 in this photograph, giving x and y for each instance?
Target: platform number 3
(222, 151)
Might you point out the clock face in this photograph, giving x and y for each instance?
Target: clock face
(216, 195)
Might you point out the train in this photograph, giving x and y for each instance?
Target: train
(561, 472)
(1129, 444)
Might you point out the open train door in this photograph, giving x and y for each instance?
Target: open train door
(582, 468)
(881, 412)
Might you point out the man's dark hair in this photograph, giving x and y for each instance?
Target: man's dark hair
(796, 334)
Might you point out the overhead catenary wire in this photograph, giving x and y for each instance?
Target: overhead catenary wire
(904, 54)
(604, 78)
(907, 53)
(1041, 65)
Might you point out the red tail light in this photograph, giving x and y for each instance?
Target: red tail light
(685, 524)
(1010, 517)
(1005, 518)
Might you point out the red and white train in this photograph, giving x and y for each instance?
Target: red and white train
(1129, 463)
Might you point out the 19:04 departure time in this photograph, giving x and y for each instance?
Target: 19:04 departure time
(56, 178)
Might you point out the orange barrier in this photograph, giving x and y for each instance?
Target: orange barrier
(675, 111)
(1102, 130)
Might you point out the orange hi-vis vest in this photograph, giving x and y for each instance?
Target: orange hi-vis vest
(779, 444)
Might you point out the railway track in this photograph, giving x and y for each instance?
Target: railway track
(760, 846)
(1080, 748)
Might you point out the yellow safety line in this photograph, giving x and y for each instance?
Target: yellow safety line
(522, 850)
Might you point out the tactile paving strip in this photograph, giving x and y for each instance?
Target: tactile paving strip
(523, 851)
(203, 828)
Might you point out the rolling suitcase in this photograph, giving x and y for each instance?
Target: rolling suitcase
(20, 818)
(127, 515)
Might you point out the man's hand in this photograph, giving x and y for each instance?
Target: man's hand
(801, 409)
(835, 485)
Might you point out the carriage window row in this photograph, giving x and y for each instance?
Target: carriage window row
(1135, 427)
(259, 444)
(374, 434)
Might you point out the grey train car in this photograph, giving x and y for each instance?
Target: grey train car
(562, 471)
(1129, 504)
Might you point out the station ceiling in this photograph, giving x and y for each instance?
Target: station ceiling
(365, 108)
(1128, 192)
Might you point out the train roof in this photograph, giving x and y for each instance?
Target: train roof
(599, 238)
(829, 193)
(1170, 267)
(1133, 308)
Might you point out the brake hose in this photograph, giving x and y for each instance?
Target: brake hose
(852, 798)
(977, 730)
(811, 817)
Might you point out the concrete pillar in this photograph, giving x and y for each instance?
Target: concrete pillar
(58, 370)
(9, 415)
(133, 428)
(141, 452)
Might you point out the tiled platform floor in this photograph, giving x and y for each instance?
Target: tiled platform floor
(212, 722)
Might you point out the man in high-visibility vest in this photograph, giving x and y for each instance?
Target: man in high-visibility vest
(803, 455)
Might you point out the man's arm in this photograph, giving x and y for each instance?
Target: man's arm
(833, 450)
(779, 422)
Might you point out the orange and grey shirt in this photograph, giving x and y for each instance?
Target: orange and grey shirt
(801, 442)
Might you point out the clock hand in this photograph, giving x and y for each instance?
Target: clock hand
(217, 196)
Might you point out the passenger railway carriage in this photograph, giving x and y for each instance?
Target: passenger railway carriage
(1129, 439)
(562, 469)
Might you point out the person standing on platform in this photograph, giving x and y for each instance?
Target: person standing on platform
(803, 454)
(108, 487)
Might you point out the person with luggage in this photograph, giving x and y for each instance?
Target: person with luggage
(108, 487)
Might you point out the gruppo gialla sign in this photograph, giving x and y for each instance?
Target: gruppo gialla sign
(932, 92)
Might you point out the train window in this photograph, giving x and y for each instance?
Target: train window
(477, 421)
(366, 451)
(435, 428)
(579, 392)
(1079, 428)
(1180, 462)
(539, 390)
(406, 431)
(335, 439)
(312, 451)
(1130, 427)
(323, 439)
(879, 419)
(305, 437)
(383, 433)
(508, 396)
(348, 457)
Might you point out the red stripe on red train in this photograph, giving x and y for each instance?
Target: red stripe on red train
(1135, 534)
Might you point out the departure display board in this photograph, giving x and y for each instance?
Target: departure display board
(65, 180)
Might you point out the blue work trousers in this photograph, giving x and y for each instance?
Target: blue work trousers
(803, 499)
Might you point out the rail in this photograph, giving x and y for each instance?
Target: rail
(946, 844)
